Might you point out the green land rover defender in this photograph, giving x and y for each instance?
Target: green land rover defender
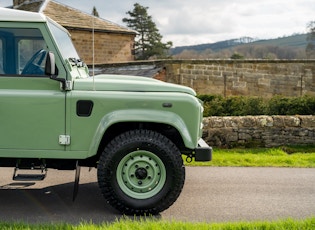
(134, 130)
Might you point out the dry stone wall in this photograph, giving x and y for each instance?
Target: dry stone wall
(264, 78)
(263, 131)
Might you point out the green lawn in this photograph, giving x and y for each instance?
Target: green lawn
(299, 157)
(288, 224)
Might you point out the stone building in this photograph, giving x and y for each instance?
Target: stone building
(112, 42)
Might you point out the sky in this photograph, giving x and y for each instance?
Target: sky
(191, 22)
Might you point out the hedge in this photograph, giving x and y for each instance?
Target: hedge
(216, 105)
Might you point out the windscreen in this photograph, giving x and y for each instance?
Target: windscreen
(64, 42)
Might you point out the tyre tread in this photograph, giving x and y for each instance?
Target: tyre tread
(105, 173)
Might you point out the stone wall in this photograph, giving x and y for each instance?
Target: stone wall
(263, 78)
(263, 131)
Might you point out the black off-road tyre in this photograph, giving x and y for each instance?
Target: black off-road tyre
(141, 172)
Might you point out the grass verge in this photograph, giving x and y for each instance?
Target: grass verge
(288, 224)
(297, 157)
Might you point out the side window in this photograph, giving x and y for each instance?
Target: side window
(31, 56)
(22, 52)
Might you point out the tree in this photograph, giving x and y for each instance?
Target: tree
(310, 48)
(94, 12)
(148, 42)
(237, 56)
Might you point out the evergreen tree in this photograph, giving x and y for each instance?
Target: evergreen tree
(148, 43)
(310, 48)
(94, 12)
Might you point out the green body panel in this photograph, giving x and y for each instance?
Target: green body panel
(112, 107)
(32, 114)
(128, 83)
(35, 118)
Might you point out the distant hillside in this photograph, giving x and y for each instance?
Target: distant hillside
(298, 40)
(290, 47)
(292, 41)
(217, 46)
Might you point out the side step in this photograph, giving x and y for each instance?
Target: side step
(29, 173)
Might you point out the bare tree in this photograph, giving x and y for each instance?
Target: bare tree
(310, 48)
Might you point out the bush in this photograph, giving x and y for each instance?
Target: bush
(241, 105)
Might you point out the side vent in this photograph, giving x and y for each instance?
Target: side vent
(84, 108)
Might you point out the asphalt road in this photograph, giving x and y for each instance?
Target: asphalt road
(210, 194)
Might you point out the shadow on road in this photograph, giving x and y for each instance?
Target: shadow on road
(54, 204)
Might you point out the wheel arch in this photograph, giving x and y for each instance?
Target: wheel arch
(167, 123)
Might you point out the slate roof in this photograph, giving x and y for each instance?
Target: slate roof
(32, 6)
(72, 18)
(143, 70)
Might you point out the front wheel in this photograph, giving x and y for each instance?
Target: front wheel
(141, 172)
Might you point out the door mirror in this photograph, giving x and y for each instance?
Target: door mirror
(50, 66)
(52, 71)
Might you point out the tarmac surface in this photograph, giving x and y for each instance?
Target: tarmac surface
(210, 194)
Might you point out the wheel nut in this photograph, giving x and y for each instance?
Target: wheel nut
(139, 182)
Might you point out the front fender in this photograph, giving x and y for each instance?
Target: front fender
(138, 115)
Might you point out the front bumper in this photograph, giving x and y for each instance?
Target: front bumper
(203, 152)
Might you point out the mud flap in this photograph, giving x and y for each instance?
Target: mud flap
(76, 181)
